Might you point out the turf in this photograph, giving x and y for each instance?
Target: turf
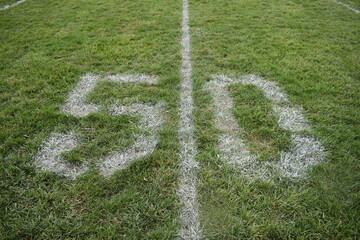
(6, 2)
(309, 48)
(352, 3)
(45, 47)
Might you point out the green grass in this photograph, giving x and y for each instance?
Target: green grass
(258, 123)
(309, 48)
(6, 2)
(352, 3)
(45, 47)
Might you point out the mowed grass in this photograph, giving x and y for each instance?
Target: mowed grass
(311, 50)
(352, 3)
(45, 47)
(6, 2)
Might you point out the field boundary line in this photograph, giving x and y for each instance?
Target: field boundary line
(187, 192)
(347, 5)
(11, 5)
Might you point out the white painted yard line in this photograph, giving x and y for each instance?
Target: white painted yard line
(11, 5)
(189, 213)
(346, 5)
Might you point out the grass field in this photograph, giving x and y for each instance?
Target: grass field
(352, 3)
(6, 2)
(310, 49)
(46, 47)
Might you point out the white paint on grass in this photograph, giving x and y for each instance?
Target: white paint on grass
(11, 5)
(151, 118)
(131, 78)
(348, 6)
(290, 118)
(304, 153)
(189, 213)
(76, 104)
(49, 156)
(232, 147)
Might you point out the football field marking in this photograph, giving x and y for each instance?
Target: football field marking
(305, 151)
(11, 5)
(346, 5)
(151, 118)
(76, 104)
(49, 156)
(189, 213)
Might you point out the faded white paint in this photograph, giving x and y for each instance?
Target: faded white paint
(347, 5)
(151, 118)
(76, 104)
(189, 213)
(49, 156)
(131, 78)
(290, 118)
(11, 5)
(305, 151)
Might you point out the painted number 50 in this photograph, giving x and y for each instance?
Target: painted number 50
(304, 153)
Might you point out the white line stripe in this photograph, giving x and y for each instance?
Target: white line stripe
(346, 5)
(189, 214)
(11, 5)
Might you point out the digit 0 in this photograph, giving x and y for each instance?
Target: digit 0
(304, 153)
